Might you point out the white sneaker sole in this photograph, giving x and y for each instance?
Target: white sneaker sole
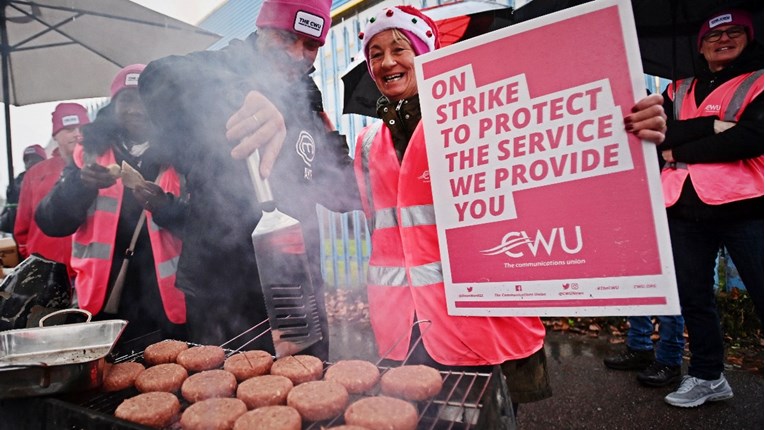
(700, 401)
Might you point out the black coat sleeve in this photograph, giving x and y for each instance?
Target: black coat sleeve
(172, 215)
(695, 141)
(337, 190)
(65, 207)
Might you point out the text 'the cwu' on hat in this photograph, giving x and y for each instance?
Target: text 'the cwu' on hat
(728, 17)
(126, 78)
(308, 18)
(69, 115)
(35, 150)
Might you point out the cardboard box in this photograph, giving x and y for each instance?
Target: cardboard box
(9, 254)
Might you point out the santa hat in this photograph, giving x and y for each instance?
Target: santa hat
(418, 28)
(308, 18)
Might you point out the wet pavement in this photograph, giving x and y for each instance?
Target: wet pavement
(588, 396)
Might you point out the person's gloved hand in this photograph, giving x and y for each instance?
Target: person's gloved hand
(150, 195)
(257, 124)
(95, 176)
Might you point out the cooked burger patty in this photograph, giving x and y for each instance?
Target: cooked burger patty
(382, 413)
(166, 377)
(213, 414)
(163, 352)
(357, 376)
(247, 364)
(318, 400)
(265, 390)
(208, 384)
(298, 368)
(411, 382)
(155, 409)
(270, 418)
(121, 376)
(199, 358)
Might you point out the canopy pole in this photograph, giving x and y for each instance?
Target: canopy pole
(6, 52)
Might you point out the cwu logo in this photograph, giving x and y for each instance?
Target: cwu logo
(305, 147)
(516, 243)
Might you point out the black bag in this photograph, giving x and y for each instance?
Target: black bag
(35, 288)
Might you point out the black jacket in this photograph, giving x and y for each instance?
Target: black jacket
(694, 141)
(66, 207)
(190, 98)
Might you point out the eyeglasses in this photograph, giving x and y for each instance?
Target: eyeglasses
(714, 36)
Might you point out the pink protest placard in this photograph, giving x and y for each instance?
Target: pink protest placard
(544, 204)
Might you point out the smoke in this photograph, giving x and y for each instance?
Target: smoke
(189, 99)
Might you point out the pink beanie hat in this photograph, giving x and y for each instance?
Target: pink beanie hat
(69, 115)
(308, 18)
(421, 31)
(728, 17)
(127, 78)
(35, 150)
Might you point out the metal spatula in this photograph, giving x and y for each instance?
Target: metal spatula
(284, 276)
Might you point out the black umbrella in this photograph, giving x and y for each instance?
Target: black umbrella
(666, 29)
(456, 21)
(59, 50)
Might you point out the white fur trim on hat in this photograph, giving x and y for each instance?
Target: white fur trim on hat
(389, 18)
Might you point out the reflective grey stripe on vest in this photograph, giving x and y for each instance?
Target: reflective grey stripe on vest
(427, 274)
(680, 92)
(153, 226)
(387, 276)
(95, 250)
(413, 216)
(168, 268)
(737, 101)
(385, 218)
(104, 204)
(366, 148)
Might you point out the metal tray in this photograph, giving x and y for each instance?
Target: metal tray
(48, 360)
(56, 345)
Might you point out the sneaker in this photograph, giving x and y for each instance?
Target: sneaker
(630, 359)
(694, 392)
(659, 375)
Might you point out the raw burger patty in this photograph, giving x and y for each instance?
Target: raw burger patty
(270, 418)
(298, 368)
(121, 376)
(208, 384)
(163, 352)
(156, 409)
(266, 390)
(382, 413)
(199, 358)
(245, 365)
(318, 400)
(166, 377)
(213, 414)
(357, 376)
(411, 382)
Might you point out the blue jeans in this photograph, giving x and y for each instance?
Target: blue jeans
(694, 247)
(669, 349)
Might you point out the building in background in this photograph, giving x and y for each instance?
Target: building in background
(345, 236)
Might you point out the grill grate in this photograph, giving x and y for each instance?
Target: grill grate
(458, 406)
(467, 401)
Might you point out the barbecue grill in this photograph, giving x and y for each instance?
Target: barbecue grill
(467, 401)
